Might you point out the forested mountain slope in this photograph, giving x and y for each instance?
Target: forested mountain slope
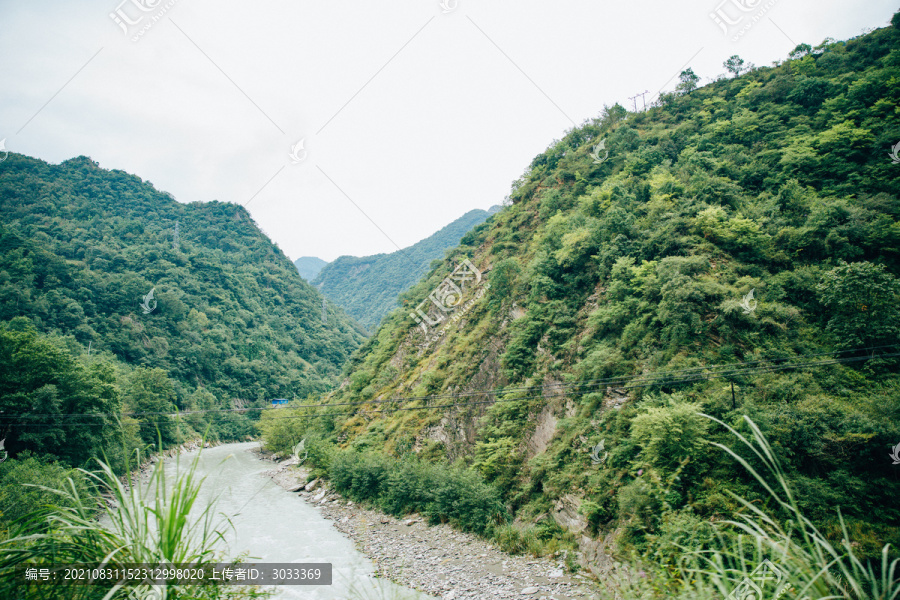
(309, 266)
(367, 287)
(81, 250)
(617, 282)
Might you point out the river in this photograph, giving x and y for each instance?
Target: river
(273, 525)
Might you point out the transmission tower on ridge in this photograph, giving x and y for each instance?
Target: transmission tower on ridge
(644, 93)
(634, 101)
(641, 94)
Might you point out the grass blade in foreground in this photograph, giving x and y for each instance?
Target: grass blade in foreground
(775, 553)
(150, 524)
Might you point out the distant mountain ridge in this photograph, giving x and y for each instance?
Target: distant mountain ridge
(367, 287)
(309, 266)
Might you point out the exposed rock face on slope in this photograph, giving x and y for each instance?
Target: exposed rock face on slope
(735, 253)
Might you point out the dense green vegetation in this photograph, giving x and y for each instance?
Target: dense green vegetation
(798, 560)
(406, 484)
(87, 372)
(367, 287)
(81, 247)
(403, 486)
(617, 286)
(715, 298)
(158, 523)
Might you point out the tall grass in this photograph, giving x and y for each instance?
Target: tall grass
(807, 565)
(157, 522)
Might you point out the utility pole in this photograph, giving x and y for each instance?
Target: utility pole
(733, 403)
(641, 94)
(175, 238)
(634, 100)
(644, 100)
(324, 313)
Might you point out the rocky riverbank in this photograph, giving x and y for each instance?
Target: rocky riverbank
(437, 560)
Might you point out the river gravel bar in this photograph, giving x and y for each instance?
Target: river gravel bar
(436, 559)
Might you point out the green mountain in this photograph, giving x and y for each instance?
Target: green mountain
(185, 306)
(367, 287)
(734, 250)
(309, 266)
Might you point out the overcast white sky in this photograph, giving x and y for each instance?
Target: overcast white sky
(410, 112)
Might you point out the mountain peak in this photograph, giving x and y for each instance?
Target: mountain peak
(367, 287)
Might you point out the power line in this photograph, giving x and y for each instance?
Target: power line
(691, 374)
(655, 378)
(658, 378)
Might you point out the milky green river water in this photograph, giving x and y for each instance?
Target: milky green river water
(273, 525)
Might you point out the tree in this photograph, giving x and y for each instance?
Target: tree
(282, 429)
(688, 80)
(151, 395)
(670, 434)
(40, 384)
(800, 51)
(503, 280)
(611, 115)
(862, 299)
(735, 65)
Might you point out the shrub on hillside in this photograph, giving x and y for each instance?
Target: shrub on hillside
(670, 434)
(19, 481)
(443, 494)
